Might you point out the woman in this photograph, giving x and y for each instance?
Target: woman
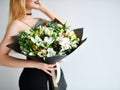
(35, 74)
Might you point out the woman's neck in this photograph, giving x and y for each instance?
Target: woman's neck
(28, 12)
(27, 17)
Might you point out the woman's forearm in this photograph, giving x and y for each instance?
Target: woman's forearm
(52, 15)
(10, 61)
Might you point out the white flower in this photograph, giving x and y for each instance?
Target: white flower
(49, 40)
(51, 52)
(41, 43)
(73, 44)
(61, 34)
(63, 41)
(31, 54)
(65, 47)
(42, 53)
(38, 40)
(40, 27)
(59, 39)
(61, 53)
(47, 31)
(60, 25)
(24, 52)
(70, 34)
(28, 31)
(32, 39)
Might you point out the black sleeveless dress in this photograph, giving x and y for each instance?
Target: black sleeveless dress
(35, 79)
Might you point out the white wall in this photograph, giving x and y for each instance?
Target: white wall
(95, 65)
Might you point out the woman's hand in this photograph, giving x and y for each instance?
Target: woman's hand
(46, 67)
(41, 7)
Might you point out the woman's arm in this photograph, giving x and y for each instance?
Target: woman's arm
(6, 60)
(50, 14)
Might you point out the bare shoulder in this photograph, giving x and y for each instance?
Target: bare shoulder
(15, 27)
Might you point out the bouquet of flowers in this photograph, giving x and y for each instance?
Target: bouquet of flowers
(49, 42)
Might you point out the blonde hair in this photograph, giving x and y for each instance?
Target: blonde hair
(17, 10)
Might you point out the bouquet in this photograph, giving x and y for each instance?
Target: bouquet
(49, 42)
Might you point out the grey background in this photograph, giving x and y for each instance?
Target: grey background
(96, 64)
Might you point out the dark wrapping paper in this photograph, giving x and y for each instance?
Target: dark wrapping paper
(15, 46)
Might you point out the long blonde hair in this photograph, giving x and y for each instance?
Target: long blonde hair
(17, 10)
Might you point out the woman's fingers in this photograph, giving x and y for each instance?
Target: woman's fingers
(48, 72)
(46, 67)
(51, 65)
(49, 69)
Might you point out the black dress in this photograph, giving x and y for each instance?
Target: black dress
(34, 79)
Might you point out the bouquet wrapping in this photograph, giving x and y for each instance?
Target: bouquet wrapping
(48, 42)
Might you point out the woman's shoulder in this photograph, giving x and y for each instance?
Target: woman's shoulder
(15, 27)
(15, 24)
